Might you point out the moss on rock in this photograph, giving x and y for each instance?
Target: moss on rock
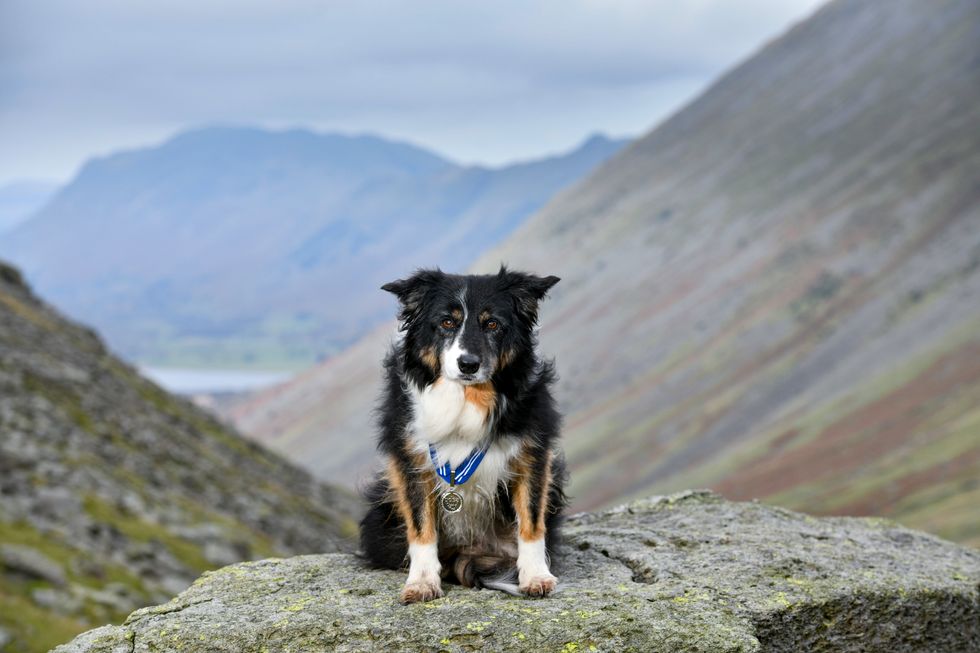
(684, 573)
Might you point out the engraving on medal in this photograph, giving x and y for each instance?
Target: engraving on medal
(452, 501)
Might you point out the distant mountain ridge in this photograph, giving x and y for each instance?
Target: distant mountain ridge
(19, 200)
(775, 293)
(221, 246)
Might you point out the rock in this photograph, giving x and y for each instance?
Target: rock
(10, 274)
(222, 553)
(688, 572)
(106, 638)
(57, 601)
(114, 596)
(88, 567)
(56, 504)
(174, 584)
(25, 561)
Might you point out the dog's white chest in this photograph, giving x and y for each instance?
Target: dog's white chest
(442, 412)
(474, 522)
(454, 426)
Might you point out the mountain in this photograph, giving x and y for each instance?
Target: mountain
(238, 247)
(114, 494)
(775, 293)
(21, 199)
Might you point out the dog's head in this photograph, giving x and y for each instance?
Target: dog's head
(466, 328)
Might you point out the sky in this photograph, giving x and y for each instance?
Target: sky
(479, 82)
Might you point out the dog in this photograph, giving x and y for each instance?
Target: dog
(472, 488)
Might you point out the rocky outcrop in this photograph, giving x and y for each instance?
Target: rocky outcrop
(114, 494)
(688, 572)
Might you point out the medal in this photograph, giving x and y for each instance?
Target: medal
(451, 500)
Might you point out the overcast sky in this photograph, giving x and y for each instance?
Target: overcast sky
(488, 81)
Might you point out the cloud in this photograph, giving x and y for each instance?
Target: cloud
(486, 81)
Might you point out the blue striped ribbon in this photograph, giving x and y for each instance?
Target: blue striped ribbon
(466, 468)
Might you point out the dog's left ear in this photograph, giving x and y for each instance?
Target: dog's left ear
(539, 286)
(527, 289)
(411, 293)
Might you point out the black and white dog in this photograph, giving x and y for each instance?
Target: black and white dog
(472, 487)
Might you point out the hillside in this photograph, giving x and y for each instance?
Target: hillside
(19, 200)
(775, 293)
(114, 494)
(219, 247)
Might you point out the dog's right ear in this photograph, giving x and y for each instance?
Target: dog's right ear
(411, 293)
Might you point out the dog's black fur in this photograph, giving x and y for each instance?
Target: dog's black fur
(501, 312)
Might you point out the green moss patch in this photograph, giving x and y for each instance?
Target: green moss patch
(141, 530)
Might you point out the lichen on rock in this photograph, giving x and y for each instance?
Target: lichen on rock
(687, 572)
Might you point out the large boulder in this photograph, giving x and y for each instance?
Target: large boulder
(687, 572)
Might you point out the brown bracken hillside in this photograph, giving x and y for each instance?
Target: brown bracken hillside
(775, 293)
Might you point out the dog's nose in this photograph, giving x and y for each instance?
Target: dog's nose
(468, 363)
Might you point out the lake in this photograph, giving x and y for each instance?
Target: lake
(192, 381)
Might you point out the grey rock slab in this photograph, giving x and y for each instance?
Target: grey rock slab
(688, 572)
(32, 563)
(57, 601)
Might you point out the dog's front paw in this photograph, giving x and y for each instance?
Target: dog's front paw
(421, 591)
(540, 585)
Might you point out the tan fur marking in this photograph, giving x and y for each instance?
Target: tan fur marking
(398, 484)
(545, 491)
(529, 529)
(457, 314)
(484, 316)
(481, 395)
(522, 496)
(429, 519)
(430, 359)
(506, 358)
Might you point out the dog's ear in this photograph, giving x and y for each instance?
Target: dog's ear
(539, 286)
(527, 290)
(411, 293)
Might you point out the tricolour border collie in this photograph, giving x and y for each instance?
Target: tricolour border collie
(472, 486)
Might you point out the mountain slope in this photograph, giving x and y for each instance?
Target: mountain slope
(115, 494)
(19, 200)
(801, 289)
(775, 293)
(222, 246)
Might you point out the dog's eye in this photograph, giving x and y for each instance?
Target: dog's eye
(448, 324)
(492, 325)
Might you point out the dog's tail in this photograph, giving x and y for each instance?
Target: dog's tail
(504, 582)
(480, 569)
